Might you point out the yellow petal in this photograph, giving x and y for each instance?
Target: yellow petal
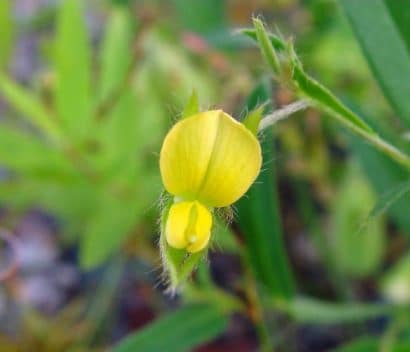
(177, 222)
(188, 226)
(186, 152)
(210, 157)
(234, 165)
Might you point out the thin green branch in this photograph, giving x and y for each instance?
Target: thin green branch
(314, 92)
(282, 113)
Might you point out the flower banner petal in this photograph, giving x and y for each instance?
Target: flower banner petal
(185, 153)
(234, 165)
(210, 157)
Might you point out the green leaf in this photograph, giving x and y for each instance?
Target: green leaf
(107, 229)
(28, 104)
(259, 218)
(72, 59)
(120, 136)
(400, 12)
(7, 32)
(192, 105)
(371, 344)
(268, 51)
(313, 311)
(167, 68)
(116, 52)
(362, 344)
(118, 128)
(384, 44)
(201, 16)
(180, 331)
(357, 241)
(401, 347)
(25, 154)
(73, 203)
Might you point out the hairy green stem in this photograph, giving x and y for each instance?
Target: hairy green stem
(372, 138)
(282, 113)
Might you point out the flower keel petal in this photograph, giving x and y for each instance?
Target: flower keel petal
(188, 226)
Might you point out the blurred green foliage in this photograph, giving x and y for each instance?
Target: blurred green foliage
(90, 159)
(357, 239)
(6, 40)
(184, 329)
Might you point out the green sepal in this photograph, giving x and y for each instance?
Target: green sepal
(191, 106)
(254, 117)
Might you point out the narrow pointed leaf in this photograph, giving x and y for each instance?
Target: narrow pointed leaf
(314, 311)
(72, 59)
(268, 50)
(384, 38)
(180, 331)
(29, 105)
(400, 13)
(116, 52)
(362, 344)
(259, 219)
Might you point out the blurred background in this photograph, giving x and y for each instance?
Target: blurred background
(315, 259)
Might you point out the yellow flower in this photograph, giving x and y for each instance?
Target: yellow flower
(207, 160)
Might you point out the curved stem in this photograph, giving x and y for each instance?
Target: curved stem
(283, 113)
